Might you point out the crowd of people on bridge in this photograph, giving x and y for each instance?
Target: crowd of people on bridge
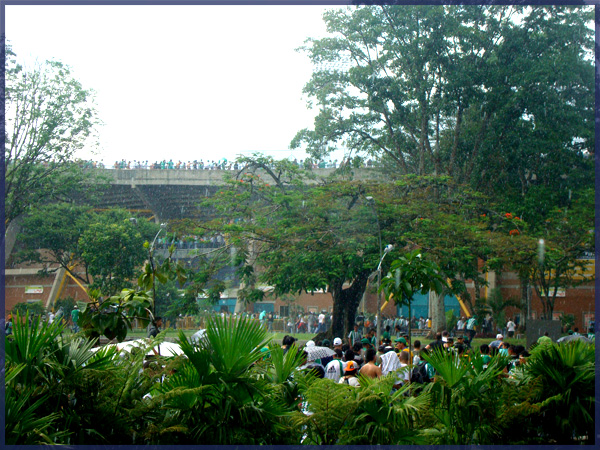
(190, 242)
(224, 164)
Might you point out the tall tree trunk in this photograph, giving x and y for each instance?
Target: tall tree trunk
(345, 305)
(350, 299)
(437, 313)
(10, 236)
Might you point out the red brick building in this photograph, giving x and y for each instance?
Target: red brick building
(23, 284)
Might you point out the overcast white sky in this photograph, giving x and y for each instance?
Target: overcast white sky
(181, 82)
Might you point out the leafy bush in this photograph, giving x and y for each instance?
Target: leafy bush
(29, 308)
(225, 390)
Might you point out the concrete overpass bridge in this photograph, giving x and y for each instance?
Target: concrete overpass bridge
(175, 194)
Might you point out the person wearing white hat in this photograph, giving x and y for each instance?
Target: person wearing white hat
(497, 342)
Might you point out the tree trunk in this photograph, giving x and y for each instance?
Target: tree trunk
(437, 313)
(10, 236)
(525, 300)
(345, 305)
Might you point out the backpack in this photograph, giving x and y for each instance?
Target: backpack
(419, 374)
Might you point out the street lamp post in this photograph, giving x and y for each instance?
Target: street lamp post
(541, 251)
(163, 226)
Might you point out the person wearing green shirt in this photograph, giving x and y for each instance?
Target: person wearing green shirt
(484, 349)
(545, 339)
(471, 327)
(354, 336)
(75, 318)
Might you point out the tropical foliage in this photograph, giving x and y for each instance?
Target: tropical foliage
(103, 249)
(235, 387)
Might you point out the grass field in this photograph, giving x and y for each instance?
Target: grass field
(303, 337)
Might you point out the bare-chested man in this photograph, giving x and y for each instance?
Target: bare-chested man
(370, 369)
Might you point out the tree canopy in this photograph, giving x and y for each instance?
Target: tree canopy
(499, 97)
(106, 244)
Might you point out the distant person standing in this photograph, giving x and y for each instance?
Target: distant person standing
(354, 337)
(460, 325)
(510, 327)
(75, 318)
(8, 326)
(270, 321)
(321, 328)
(471, 327)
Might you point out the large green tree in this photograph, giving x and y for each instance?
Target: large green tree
(299, 237)
(49, 117)
(499, 97)
(107, 245)
(550, 254)
(300, 234)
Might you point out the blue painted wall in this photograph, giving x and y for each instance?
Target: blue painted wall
(229, 303)
(420, 306)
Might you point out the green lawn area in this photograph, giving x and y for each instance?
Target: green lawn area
(303, 337)
(172, 333)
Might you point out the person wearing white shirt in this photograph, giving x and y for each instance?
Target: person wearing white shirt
(335, 369)
(460, 325)
(321, 328)
(510, 327)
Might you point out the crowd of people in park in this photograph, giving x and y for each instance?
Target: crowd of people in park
(224, 164)
(361, 354)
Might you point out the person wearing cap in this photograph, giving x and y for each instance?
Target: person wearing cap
(497, 342)
(326, 343)
(366, 343)
(402, 346)
(337, 343)
(75, 318)
(350, 374)
(265, 353)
